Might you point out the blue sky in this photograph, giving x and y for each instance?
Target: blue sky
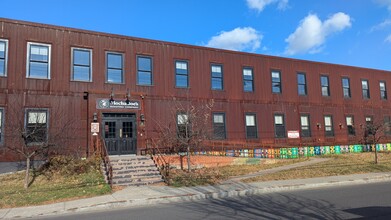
(349, 32)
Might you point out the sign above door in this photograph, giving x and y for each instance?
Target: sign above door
(117, 104)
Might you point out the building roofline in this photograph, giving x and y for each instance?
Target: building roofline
(98, 33)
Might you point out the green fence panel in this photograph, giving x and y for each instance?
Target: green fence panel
(289, 153)
(317, 150)
(326, 150)
(389, 146)
(357, 148)
(283, 153)
(311, 151)
(295, 152)
(337, 149)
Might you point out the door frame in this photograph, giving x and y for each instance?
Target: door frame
(119, 145)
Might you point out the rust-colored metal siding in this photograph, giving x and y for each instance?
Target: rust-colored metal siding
(158, 97)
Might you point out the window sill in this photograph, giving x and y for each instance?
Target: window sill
(27, 77)
(146, 85)
(81, 81)
(115, 83)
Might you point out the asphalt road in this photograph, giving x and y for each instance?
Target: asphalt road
(369, 201)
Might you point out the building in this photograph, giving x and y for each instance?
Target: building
(53, 75)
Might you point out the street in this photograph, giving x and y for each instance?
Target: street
(358, 201)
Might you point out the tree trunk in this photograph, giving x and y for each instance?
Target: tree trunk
(27, 176)
(188, 158)
(181, 160)
(375, 154)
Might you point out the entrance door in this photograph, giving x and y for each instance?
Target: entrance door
(120, 133)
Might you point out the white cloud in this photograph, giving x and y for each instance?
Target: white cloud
(283, 4)
(382, 25)
(388, 39)
(311, 34)
(386, 3)
(259, 5)
(239, 39)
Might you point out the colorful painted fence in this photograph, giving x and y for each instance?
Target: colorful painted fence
(296, 152)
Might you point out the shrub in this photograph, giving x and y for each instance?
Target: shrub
(69, 166)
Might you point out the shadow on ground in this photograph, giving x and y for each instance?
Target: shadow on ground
(266, 207)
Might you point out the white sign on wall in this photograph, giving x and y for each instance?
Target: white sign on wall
(94, 127)
(293, 134)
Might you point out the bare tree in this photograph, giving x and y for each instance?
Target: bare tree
(189, 128)
(373, 133)
(36, 131)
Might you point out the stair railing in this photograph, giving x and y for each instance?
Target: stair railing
(106, 161)
(157, 156)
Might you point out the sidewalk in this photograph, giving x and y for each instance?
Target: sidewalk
(147, 195)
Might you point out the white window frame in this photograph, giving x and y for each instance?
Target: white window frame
(72, 59)
(122, 67)
(29, 44)
(5, 57)
(47, 118)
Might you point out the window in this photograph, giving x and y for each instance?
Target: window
(217, 77)
(248, 80)
(251, 126)
(305, 126)
(3, 57)
(219, 126)
(276, 81)
(324, 81)
(328, 126)
(387, 125)
(301, 84)
(383, 90)
(350, 125)
(279, 126)
(38, 61)
(365, 89)
(181, 74)
(81, 64)
(114, 68)
(36, 125)
(183, 128)
(346, 88)
(144, 70)
(369, 125)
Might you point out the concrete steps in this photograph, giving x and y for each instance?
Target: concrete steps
(134, 171)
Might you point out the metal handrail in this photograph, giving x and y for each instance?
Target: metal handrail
(106, 160)
(164, 166)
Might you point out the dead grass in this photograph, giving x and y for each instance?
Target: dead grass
(214, 175)
(344, 164)
(49, 187)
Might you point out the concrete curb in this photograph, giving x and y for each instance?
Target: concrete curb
(107, 202)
